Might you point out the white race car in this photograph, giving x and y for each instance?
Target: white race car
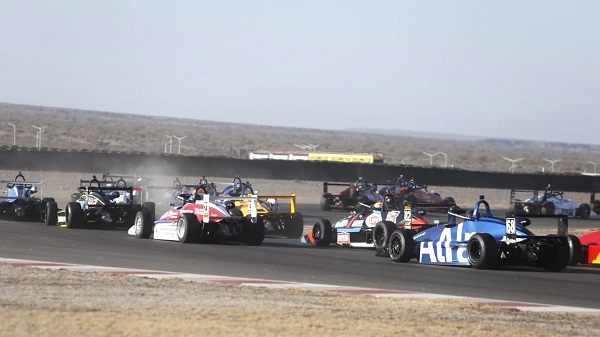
(203, 218)
(552, 203)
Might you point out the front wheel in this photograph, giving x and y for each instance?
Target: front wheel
(188, 228)
(143, 224)
(401, 246)
(322, 232)
(381, 236)
(482, 251)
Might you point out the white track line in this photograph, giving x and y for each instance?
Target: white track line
(524, 306)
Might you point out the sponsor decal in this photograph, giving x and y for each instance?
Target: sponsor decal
(343, 238)
(442, 251)
(373, 219)
(392, 216)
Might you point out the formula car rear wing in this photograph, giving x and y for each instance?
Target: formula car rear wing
(252, 207)
(291, 198)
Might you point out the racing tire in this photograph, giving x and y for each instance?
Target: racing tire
(188, 228)
(381, 236)
(584, 211)
(449, 201)
(322, 231)
(596, 206)
(130, 217)
(401, 245)
(50, 215)
(142, 225)
(482, 251)
(295, 227)
(575, 250)
(547, 209)
(151, 207)
(74, 215)
(559, 258)
(325, 203)
(256, 232)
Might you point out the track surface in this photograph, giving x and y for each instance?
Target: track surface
(289, 260)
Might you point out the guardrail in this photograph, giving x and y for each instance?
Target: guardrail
(177, 165)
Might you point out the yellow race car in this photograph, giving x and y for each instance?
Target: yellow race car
(279, 218)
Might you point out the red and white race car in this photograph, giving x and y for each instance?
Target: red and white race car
(203, 218)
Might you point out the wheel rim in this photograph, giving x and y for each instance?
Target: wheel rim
(180, 228)
(138, 224)
(317, 232)
(475, 251)
(395, 246)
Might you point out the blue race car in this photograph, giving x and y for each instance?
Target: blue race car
(482, 241)
(21, 204)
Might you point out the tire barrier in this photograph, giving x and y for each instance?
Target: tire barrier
(177, 165)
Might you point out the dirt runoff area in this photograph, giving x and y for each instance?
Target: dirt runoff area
(39, 302)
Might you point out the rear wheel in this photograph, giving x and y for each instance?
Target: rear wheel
(295, 227)
(381, 236)
(449, 201)
(188, 228)
(584, 211)
(50, 213)
(143, 224)
(401, 246)
(325, 203)
(575, 250)
(548, 208)
(322, 232)
(74, 215)
(559, 258)
(482, 251)
(256, 232)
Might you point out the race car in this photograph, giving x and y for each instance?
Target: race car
(103, 203)
(586, 249)
(417, 195)
(203, 219)
(366, 229)
(551, 202)
(21, 204)
(482, 241)
(353, 196)
(277, 221)
(238, 188)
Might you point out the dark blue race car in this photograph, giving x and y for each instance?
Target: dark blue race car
(20, 202)
(482, 241)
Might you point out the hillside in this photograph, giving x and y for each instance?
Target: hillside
(82, 129)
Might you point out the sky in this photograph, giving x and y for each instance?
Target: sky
(505, 69)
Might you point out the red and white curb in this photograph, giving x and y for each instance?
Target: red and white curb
(525, 306)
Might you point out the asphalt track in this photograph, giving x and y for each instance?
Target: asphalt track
(289, 260)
